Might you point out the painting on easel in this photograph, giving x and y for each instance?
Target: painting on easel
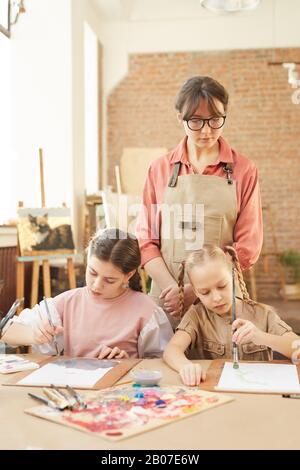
(45, 231)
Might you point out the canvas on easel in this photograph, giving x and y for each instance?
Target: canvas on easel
(43, 234)
(45, 231)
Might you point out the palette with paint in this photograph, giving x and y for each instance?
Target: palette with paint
(121, 412)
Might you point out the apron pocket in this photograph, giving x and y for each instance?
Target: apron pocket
(194, 236)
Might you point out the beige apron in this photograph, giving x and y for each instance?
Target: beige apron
(202, 210)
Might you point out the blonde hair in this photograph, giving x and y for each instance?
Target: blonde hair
(208, 253)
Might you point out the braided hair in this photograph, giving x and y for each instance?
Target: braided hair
(238, 270)
(207, 253)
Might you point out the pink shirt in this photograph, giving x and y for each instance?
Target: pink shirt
(92, 323)
(248, 230)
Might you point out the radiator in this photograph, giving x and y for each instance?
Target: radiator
(8, 275)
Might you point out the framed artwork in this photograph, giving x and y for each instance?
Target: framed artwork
(45, 231)
(5, 17)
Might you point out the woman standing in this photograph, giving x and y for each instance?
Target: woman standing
(202, 191)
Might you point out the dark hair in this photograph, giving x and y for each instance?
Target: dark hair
(121, 249)
(207, 253)
(200, 88)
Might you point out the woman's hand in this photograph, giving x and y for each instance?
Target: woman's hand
(110, 353)
(192, 374)
(170, 296)
(43, 332)
(246, 332)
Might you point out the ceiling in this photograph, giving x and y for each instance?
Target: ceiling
(150, 10)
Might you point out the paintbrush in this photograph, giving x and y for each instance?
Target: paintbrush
(51, 324)
(233, 310)
(50, 403)
(77, 397)
(70, 399)
(60, 401)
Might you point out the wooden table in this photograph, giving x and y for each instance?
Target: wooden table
(249, 422)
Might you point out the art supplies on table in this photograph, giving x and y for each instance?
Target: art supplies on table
(60, 400)
(83, 373)
(259, 378)
(293, 396)
(121, 412)
(10, 363)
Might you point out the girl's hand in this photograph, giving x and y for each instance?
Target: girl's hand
(170, 295)
(110, 353)
(43, 332)
(192, 374)
(246, 332)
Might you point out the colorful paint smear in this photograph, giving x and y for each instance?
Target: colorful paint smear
(120, 412)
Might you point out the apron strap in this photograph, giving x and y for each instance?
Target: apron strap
(227, 167)
(174, 177)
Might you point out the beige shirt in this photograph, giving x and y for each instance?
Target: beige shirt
(211, 334)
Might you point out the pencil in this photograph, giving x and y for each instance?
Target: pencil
(51, 324)
(292, 395)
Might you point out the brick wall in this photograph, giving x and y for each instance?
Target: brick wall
(263, 124)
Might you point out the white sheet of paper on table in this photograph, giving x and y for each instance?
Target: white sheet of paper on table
(60, 376)
(260, 378)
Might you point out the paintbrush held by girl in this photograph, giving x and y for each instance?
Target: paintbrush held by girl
(206, 330)
(109, 318)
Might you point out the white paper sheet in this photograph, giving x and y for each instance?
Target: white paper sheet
(261, 378)
(64, 373)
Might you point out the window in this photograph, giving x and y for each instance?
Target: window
(91, 110)
(8, 190)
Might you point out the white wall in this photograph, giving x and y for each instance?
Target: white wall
(8, 196)
(41, 64)
(82, 11)
(190, 28)
(48, 103)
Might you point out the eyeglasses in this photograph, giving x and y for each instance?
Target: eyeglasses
(196, 124)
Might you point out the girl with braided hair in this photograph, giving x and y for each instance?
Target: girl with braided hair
(206, 330)
(108, 318)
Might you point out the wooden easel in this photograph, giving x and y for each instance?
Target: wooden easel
(45, 259)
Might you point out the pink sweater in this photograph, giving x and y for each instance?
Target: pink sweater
(131, 322)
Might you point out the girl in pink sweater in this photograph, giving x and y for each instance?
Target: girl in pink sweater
(109, 318)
